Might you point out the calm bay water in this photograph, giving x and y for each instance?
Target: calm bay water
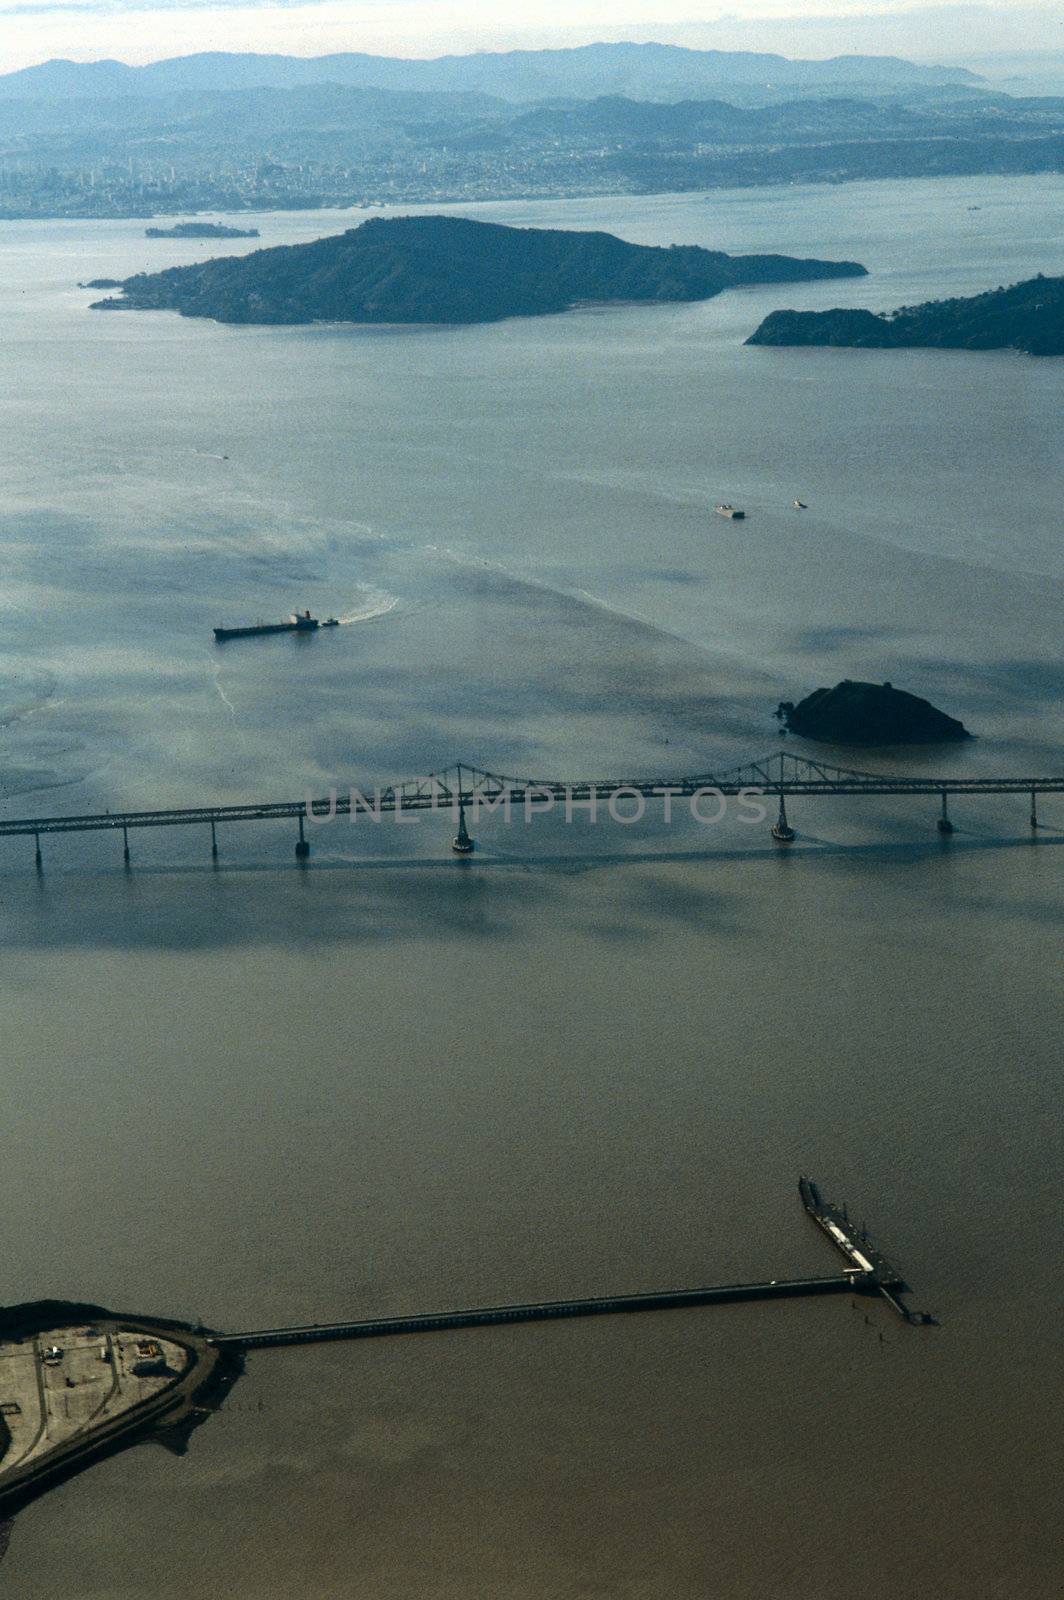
(592, 1058)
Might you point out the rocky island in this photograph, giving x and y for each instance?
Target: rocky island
(201, 230)
(869, 714)
(1029, 316)
(450, 270)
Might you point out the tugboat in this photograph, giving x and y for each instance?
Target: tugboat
(730, 511)
(800, 505)
(298, 622)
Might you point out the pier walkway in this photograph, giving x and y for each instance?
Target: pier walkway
(544, 1311)
(866, 1272)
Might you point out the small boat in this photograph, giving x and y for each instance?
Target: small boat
(727, 510)
(800, 505)
(298, 622)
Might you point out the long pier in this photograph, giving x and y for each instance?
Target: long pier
(866, 1272)
(463, 789)
(212, 1362)
(543, 1311)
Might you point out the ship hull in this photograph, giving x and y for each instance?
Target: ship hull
(265, 627)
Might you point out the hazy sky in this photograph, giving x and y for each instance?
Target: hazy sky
(145, 30)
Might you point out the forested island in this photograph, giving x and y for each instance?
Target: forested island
(450, 270)
(869, 714)
(1029, 316)
(201, 230)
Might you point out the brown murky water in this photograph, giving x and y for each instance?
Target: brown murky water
(589, 1059)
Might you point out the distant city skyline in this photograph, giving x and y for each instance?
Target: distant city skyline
(137, 31)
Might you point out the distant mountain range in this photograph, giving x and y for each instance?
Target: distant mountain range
(107, 140)
(330, 122)
(683, 124)
(450, 270)
(1029, 316)
(638, 71)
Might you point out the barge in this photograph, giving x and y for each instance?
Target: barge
(298, 622)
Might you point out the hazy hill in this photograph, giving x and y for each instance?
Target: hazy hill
(1028, 316)
(450, 270)
(173, 153)
(264, 112)
(329, 121)
(640, 71)
(928, 113)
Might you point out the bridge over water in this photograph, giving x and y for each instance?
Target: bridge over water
(465, 789)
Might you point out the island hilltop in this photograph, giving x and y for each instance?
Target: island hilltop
(869, 714)
(1029, 316)
(450, 270)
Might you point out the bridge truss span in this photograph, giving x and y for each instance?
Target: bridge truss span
(465, 786)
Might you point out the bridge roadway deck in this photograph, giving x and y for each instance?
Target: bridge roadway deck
(474, 789)
(546, 1311)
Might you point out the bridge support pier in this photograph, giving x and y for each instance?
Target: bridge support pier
(462, 844)
(214, 842)
(944, 824)
(1034, 811)
(38, 859)
(782, 831)
(125, 846)
(302, 847)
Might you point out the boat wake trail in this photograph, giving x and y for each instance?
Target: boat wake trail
(375, 603)
(216, 678)
(29, 692)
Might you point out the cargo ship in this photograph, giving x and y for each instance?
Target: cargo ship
(298, 622)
